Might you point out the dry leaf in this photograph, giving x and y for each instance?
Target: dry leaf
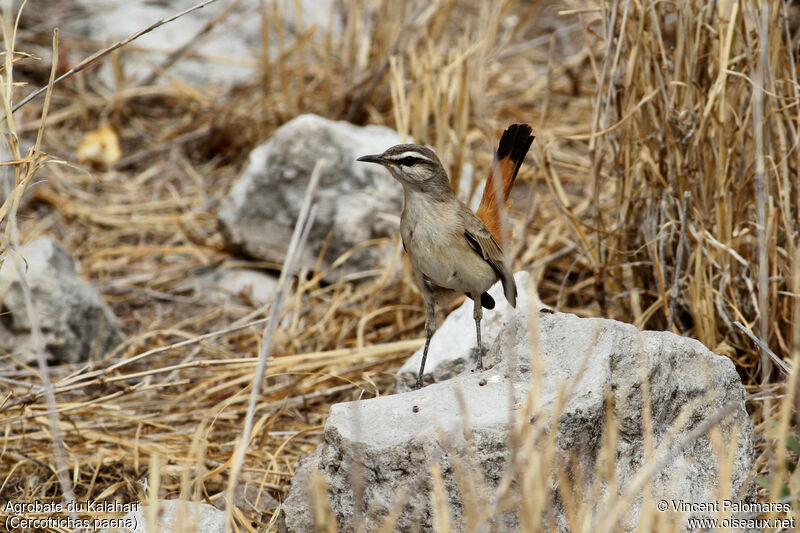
(100, 148)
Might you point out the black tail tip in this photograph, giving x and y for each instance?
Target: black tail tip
(524, 129)
(516, 141)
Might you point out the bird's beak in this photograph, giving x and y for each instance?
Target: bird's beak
(372, 159)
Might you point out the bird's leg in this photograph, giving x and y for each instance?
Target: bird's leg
(430, 325)
(477, 314)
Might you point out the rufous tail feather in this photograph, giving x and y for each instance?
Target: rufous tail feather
(514, 145)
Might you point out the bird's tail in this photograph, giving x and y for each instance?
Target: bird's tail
(511, 151)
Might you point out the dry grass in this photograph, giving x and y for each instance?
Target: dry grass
(625, 129)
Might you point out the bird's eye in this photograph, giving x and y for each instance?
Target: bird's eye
(408, 161)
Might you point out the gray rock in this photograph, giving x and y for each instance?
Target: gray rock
(356, 201)
(75, 321)
(383, 448)
(173, 516)
(228, 54)
(302, 499)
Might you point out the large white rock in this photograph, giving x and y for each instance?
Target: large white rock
(74, 319)
(387, 445)
(356, 201)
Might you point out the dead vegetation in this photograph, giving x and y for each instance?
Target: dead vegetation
(663, 189)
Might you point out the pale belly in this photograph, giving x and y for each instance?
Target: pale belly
(448, 261)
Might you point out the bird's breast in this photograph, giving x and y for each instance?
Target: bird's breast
(433, 236)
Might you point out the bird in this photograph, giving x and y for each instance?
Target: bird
(450, 247)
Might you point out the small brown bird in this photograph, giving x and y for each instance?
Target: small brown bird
(450, 247)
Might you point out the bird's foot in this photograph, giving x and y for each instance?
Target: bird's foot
(418, 385)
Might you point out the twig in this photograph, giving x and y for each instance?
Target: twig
(104, 52)
(301, 229)
(763, 345)
(575, 262)
(176, 55)
(760, 186)
(372, 82)
(38, 346)
(673, 300)
(300, 362)
(164, 146)
(87, 377)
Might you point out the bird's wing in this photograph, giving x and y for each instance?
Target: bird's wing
(480, 239)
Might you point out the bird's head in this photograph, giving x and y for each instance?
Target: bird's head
(409, 163)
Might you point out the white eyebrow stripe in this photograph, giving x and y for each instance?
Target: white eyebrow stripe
(410, 153)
